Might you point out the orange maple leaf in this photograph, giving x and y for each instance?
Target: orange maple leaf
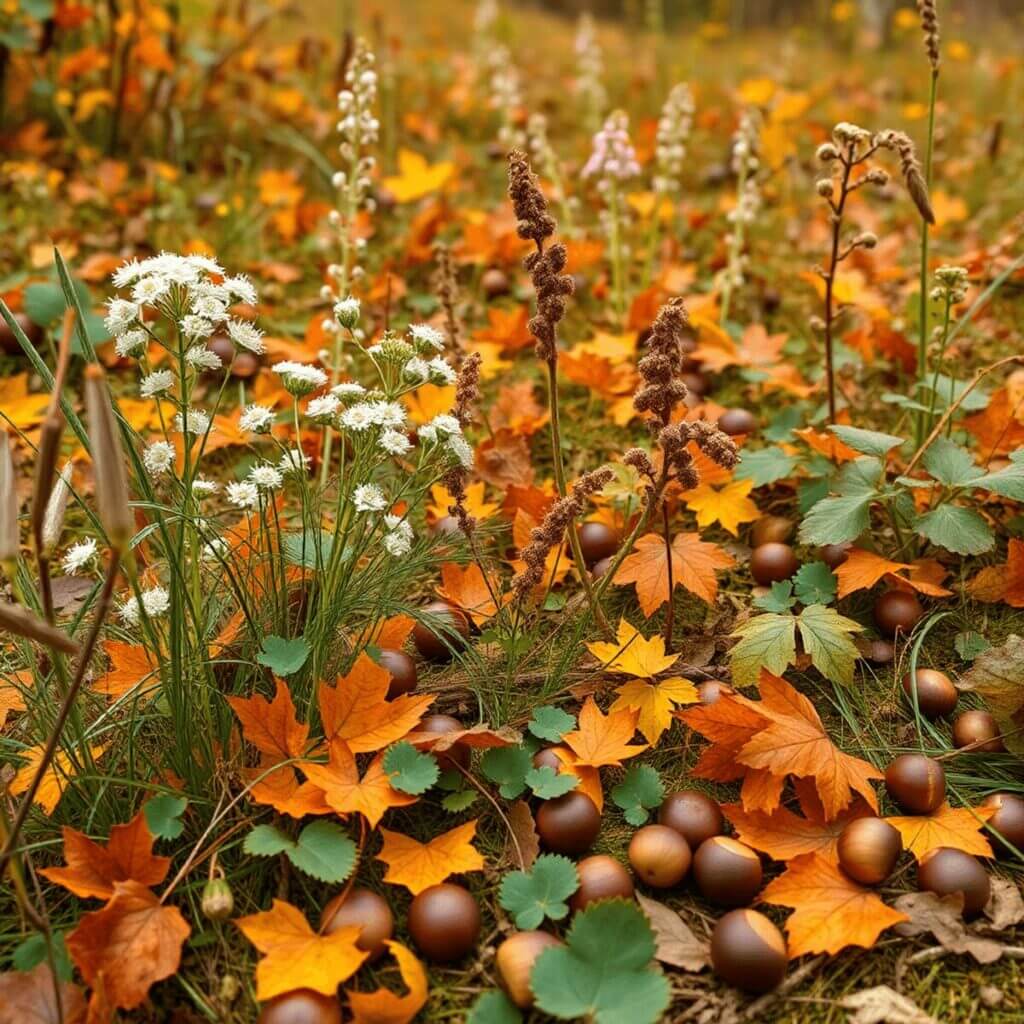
(959, 828)
(1002, 582)
(863, 569)
(383, 1006)
(357, 710)
(467, 588)
(506, 328)
(831, 911)
(271, 726)
(346, 793)
(827, 444)
(294, 956)
(729, 505)
(51, 789)
(729, 725)
(129, 666)
(476, 503)
(418, 866)
(604, 739)
(277, 785)
(590, 778)
(11, 698)
(694, 564)
(93, 870)
(128, 945)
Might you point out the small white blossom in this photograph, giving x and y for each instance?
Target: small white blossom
(241, 288)
(209, 307)
(151, 289)
(78, 556)
(426, 336)
(257, 418)
(441, 372)
(300, 378)
(265, 477)
(158, 457)
(394, 442)
(202, 488)
(323, 409)
(358, 417)
(195, 327)
(198, 422)
(203, 358)
(440, 426)
(243, 494)
(348, 390)
(346, 312)
(121, 314)
(215, 549)
(461, 449)
(155, 602)
(243, 334)
(388, 414)
(126, 273)
(156, 383)
(369, 498)
(416, 370)
(130, 342)
(294, 461)
(398, 543)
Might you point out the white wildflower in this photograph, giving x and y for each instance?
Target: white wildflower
(369, 498)
(158, 457)
(151, 289)
(243, 494)
(348, 390)
(346, 312)
(323, 409)
(265, 477)
(156, 383)
(427, 337)
(203, 488)
(203, 358)
(155, 602)
(209, 307)
(130, 342)
(300, 378)
(257, 419)
(78, 556)
(394, 442)
(121, 314)
(441, 372)
(461, 449)
(294, 461)
(198, 422)
(388, 414)
(195, 327)
(416, 370)
(245, 335)
(358, 417)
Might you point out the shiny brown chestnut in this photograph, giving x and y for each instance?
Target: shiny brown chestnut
(547, 758)
(833, 555)
(660, 856)
(568, 824)
(773, 562)
(457, 753)
(881, 652)
(737, 421)
(446, 630)
(601, 878)
(748, 951)
(597, 541)
(978, 727)
(1007, 822)
(601, 566)
(868, 849)
(515, 959)
(402, 670)
(365, 908)
(945, 871)
(9, 343)
(771, 530)
(727, 872)
(694, 815)
(444, 922)
(897, 611)
(303, 1006)
(936, 694)
(917, 783)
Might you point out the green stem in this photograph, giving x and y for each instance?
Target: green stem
(921, 427)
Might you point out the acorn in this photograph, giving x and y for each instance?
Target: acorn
(711, 690)
(597, 541)
(917, 783)
(457, 753)
(218, 902)
(748, 951)
(868, 850)
(936, 694)
(833, 555)
(945, 871)
(694, 815)
(600, 568)
(897, 611)
(547, 758)
(303, 1006)
(402, 670)
(31, 330)
(362, 907)
(1008, 821)
(978, 727)
(881, 652)
(770, 563)
(660, 856)
(444, 922)
(737, 421)
(223, 348)
(448, 630)
(601, 878)
(568, 824)
(727, 872)
(771, 530)
(494, 282)
(515, 959)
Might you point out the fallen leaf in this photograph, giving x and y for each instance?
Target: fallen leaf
(655, 701)
(589, 778)
(279, 787)
(418, 866)
(675, 943)
(51, 789)
(729, 505)
(960, 828)
(1005, 907)
(943, 917)
(476, 503)
(129, 666)
(27, 997)
(632, 654)
(997, 675)
(271, 726)
(383, 1006)
(416, 178)
(467, 588)
(1002, 582)
(862, 569)
(883, 1005)
(603, 739)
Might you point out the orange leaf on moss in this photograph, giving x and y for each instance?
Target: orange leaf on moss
(604, 739)
(418, 865)
(383, 1006)
(129, 666)
(960, 828)
(271, 726)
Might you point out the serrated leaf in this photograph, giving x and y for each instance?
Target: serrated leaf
(506, 767)
(639, 792)
(826, 638)
(283, 657)
(266, 841)
(766, 466)
(547, 784)
(163, 815)
(949, 463)
(765, 641)
(604, 971)
(453, 803)
(957, 529)
(540, 892)
(836, 520)
(322, 850)
(868, 442)
(551, 723)
(970, 644)
(1009, 482)
(860, 477)
(494, 1007)
(410, 770)
(779, 598)
(815, 583)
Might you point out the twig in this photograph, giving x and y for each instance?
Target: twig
(797, 978)
(501, 814)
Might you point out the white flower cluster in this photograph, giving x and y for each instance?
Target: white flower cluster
(369, 499)
(78, 556)
(155, 601)
(613, 158)
(446, 432)
(745, 163)
(589, 71)
(300, 378)
(952, 284)
(670, 142)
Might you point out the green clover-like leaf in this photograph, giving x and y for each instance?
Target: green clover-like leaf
(540, 892)
(410, 770)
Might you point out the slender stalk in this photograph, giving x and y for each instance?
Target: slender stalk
(923, 420)
(830, 278)
(670, 613)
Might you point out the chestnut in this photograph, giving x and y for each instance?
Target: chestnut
(303, 1006)
(868, 849)
(446, 630)
(568, 824)
(833, 555)
(694, 815)
(660, 856)
(446, 526)
(245, 365)
(881, 652)
(597, 541)
(1007, 822)
(361, 907)
(457, 753)
(936, 694)
(897, 611)
(601, 566)
(748, 951)
(978, 727)
(771, 530)
(515, 958)
(9, 343)
(917, 783)
(444, 922)
(494, 282)
(772, 562)
(547, 758)
(727, 872)
(402, 670)
(601, 878)
(737, 421)
(945, 871)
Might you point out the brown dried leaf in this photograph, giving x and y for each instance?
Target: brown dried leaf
(943, 918)
(676, 944)
(883, 1005)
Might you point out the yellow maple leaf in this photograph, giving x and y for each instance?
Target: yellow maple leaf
(959, 828)
(655, 701)
(417, 178)
(604, 739)
(728, 505)
(632, 654)
(51, 789)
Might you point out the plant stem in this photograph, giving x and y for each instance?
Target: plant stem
(670, 614)
(923, 420)
(830, 278)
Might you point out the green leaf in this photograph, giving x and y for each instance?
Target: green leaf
(766, 641)
(43, 303)
(826, 638)
(32, 951)
(836, 520)
(506, 767)
(550, 723)
(604, 971)
(494, 1007)
(815, 583)
(782, 426)
(283, 657)
(547, 784)
(410, 770)
(868, 442)
(1008, 482)
(640, 791)
(957, 529)
(458, 801)
(862, 476)
(322, 850)
(948, 463)
(779, 599)
(163, 815)
(948, 389)
(766, 466)
(540, 892)
(970, 644)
